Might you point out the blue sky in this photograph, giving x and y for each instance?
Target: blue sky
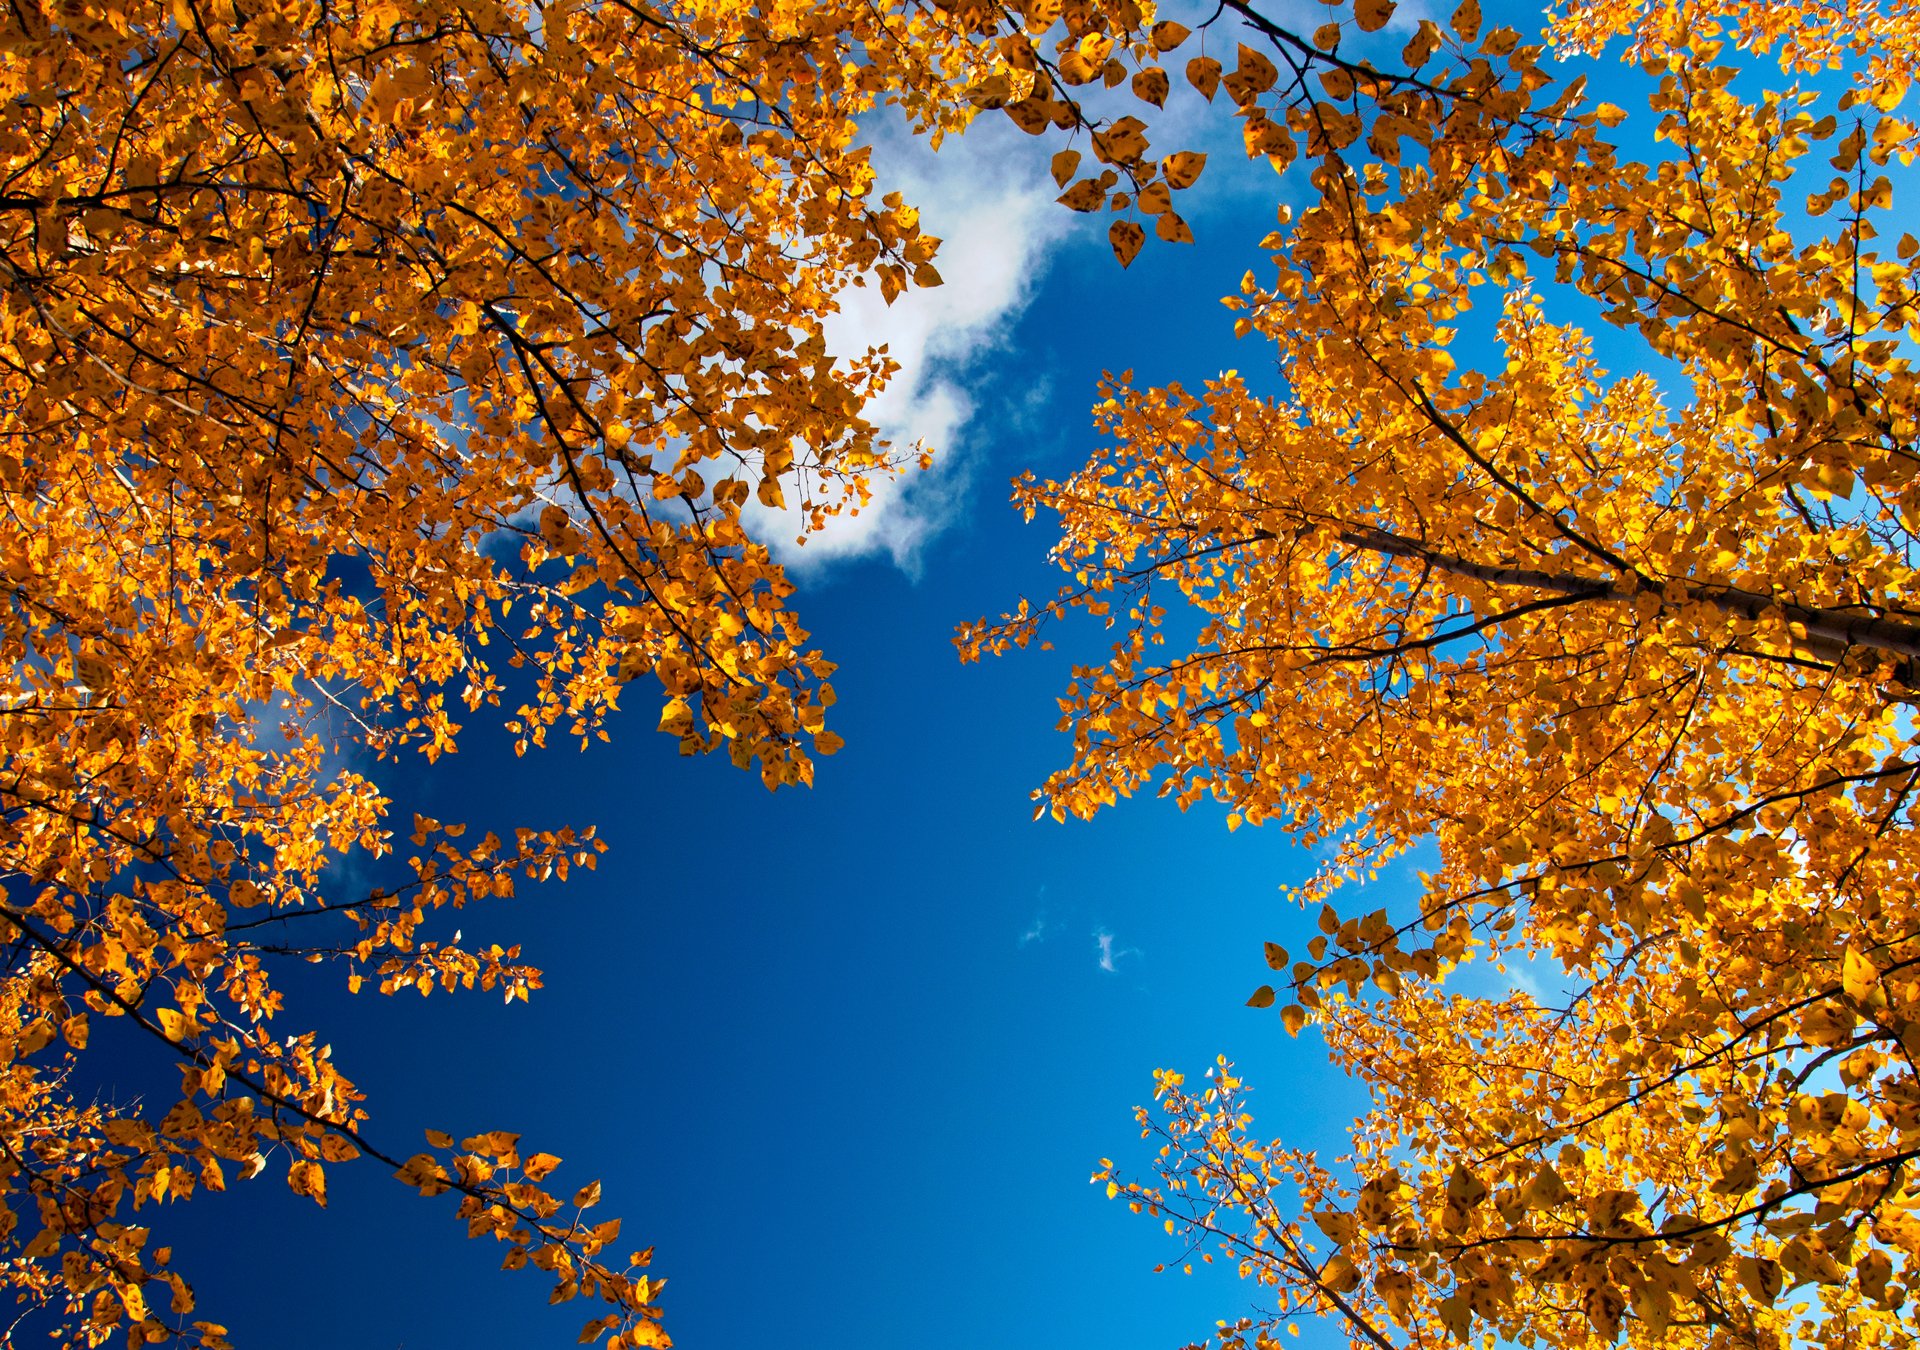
(846, 1057)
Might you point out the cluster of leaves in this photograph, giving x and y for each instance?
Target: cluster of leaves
(365, 367)
(1037, 58)
(1638, 653)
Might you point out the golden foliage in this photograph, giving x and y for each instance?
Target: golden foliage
(1640, 652)
(366, 367)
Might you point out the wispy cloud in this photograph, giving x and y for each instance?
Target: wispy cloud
(1523, 980)
(986, 195)
(1038, 930)
(1110, 954)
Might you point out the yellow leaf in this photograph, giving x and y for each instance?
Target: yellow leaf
(1151, 86)
(1373, 15)
(676, 717)
(1339, 1275)
(306, 1178)
(1203, 73)
(1340, 1227)
(1861, 979)
(1422, 45)
(1253, 75)
(1760, 1277)
(96, 674)
(1182, 168)
(1085, 195)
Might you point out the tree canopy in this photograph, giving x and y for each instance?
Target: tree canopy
(365, 369)
(1635, 649)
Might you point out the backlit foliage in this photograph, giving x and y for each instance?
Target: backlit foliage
(366, 368)
(1638, 648)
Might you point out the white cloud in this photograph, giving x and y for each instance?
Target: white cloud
(1522, 980)
(986, 195)
(1111, 955)
(1038, 930)
(1410, 13)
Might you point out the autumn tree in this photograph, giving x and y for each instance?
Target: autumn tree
(1636, 651)
(368, 368)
